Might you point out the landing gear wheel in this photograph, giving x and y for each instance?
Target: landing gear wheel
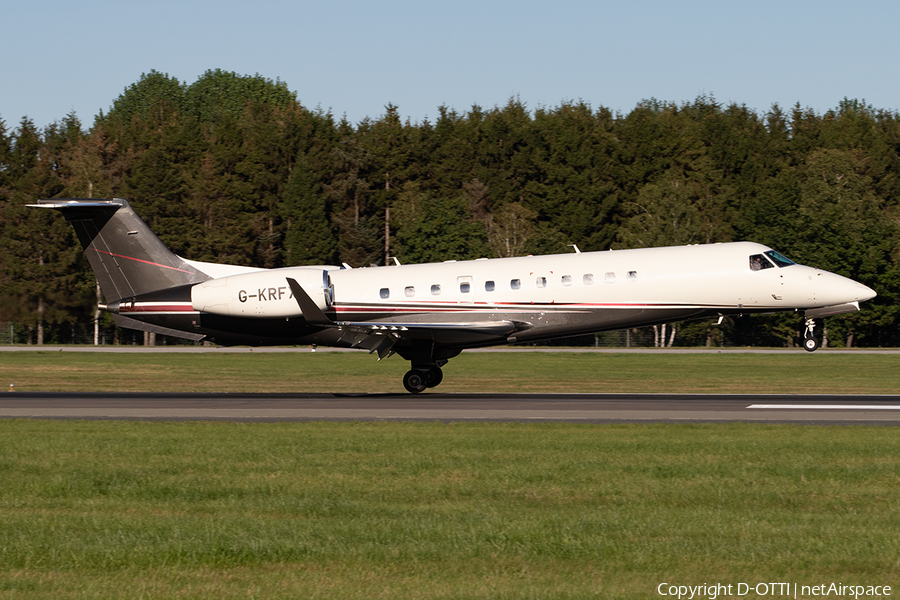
(433, 377)
(810, 343)
(414, 381)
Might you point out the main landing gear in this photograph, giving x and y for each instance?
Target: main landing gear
(810, 343)
(417, 380)
(426, 359)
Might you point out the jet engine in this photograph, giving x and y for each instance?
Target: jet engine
(263, 294)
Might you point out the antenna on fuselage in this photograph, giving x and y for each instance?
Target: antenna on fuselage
(577, 251)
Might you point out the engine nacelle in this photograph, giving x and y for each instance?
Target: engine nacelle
(263, 294)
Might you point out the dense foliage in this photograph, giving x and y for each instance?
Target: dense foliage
(233, 168)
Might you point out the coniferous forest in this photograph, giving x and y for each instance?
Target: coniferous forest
(233, 168)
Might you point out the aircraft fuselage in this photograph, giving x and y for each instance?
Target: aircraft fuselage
(548, 296)
(429, 313)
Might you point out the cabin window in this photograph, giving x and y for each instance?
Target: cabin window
(410, 291)
(632, 275)
(515, 284)
(464, 287)
(610, 278)
(384, 293)
(436, 290)
(489, 286)
(541, 282)
(567, 280)
(588, 278)
(779, 259)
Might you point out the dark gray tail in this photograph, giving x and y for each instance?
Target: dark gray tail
(127, 258)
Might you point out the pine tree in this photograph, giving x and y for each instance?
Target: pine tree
(309, 239)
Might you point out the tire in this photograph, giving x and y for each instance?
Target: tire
(414, 381)
(433, 377)
(810, 344)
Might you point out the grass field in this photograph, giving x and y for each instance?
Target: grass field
(428, 510)
(104, 509)
(797, 372)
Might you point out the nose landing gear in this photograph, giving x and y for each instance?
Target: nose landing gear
(810, 343)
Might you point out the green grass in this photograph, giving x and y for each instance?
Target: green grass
(797, 372)
(428, 510)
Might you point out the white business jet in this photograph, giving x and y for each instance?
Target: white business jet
(429, 313)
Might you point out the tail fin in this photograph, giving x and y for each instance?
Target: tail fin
(126, 256)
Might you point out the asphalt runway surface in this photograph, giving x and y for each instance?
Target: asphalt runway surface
(432, 406)
(182, 349)
(582, 408)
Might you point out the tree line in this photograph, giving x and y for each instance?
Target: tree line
(233, 168)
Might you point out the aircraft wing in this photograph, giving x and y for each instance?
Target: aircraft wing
(380, 337)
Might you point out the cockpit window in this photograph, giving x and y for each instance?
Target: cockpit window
(758, 262)
(779, 259)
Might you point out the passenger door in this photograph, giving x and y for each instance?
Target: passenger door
(464, 290)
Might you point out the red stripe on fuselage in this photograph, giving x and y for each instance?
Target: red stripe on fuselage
(139, 308)
(529, 306)
(147, 262)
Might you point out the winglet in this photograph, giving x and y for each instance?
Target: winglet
(311, 312)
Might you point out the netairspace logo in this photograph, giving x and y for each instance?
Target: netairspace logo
(712, 591)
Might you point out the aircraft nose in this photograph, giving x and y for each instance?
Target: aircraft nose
(827, 288)
(865, 292)
(850, 290)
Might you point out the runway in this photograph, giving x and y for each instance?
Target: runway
(582, 408)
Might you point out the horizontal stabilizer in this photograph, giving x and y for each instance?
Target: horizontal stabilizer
(80, 208)
(129, 323)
